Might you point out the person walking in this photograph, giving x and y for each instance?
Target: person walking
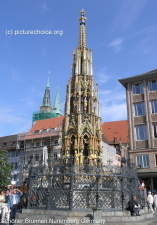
(13, 201)
(155, 202)
(150, 202)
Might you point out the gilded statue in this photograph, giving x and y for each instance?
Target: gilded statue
(76, 158)
(81, 157)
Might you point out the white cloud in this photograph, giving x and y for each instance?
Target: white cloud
(102, 77)
(113, 112)
(7, 116)
(116, 44)
(11, 123)
(113, 104)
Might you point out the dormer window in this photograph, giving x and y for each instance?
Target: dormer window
(44, 130)
(13, 144)
(36, 132)
(4, 145)
(52, 129)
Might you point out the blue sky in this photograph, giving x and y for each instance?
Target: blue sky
(121, 33)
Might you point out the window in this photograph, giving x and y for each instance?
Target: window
(43, 144)
(155, 130)
(44, 131)
(139, 109)
(52, 129)
(31, 145)
(36, 132)
(141, 133)
(152, 85)
(15, 166)
(37, 144)
(142, 160)
(155, 159)
(56, 142)
(137, 88)
(4, 145)
(36, 157)
(13, 143)
(55, 156)
(154, 106)
(14, 177)
(13, 153)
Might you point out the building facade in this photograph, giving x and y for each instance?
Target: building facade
(15, 150)
(141, 93)
(44, 134)
(82, 133)
(116, 133)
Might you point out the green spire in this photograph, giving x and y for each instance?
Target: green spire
(47, 98)
(48, 81)
(57, 108)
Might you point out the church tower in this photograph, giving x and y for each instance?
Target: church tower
(46, 104)
(82, 134)
(57, 107)
(46, 110)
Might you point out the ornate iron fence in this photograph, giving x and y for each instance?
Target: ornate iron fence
(64, 186)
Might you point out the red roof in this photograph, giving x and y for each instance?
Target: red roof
(47, 123)
(118, 129)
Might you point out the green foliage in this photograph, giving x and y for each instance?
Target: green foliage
(5, 169)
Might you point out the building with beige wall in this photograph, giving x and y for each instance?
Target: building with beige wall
(141, 94)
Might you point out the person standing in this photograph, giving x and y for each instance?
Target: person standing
(3, 206)
(13, 201)
(150, 202)
(7, 213)
(155, 202)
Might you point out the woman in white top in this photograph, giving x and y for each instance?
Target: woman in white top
(155, 201)
(2, 206)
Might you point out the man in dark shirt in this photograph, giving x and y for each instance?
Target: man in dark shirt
(133, 207)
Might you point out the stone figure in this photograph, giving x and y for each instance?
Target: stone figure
(45, 156)
(76, 158)
(81, 157)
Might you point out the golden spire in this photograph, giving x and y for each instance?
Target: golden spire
(82, 37)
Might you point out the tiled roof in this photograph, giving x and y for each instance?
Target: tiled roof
(47, 123)
(118, 129)
(152, 71)
(8, 142)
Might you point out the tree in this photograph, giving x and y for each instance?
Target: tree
(5, 169)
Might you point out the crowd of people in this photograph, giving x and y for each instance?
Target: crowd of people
(11, 198)
(9, 202)
(152, 202)
(134, 207)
